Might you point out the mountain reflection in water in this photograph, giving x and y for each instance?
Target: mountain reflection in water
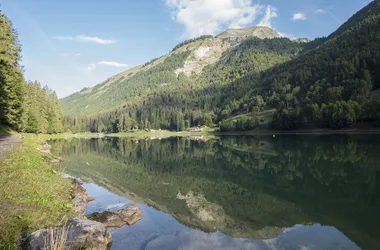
(236, 192)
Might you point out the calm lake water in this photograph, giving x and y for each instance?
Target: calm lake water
(235, 192)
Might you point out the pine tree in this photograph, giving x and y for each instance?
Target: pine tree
(11, 78)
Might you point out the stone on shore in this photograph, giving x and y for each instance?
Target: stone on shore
(128, 216)
(78, 233)
(80, 199)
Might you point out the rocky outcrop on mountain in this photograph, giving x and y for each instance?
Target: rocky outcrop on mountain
(203, 54)
(235, 35)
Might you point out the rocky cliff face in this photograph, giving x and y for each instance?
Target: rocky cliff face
(203, 54)
(210, 51)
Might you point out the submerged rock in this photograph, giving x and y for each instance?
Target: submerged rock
(89, 199)
(78, 233)
(128, 216)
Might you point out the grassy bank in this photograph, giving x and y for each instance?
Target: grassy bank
(32, 195)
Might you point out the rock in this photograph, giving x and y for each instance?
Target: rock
(89, 199)
(131, 215)
(80, 204)
(109, 219)
(53, 161)
(78, 233)
(80, 198)
(128, 216)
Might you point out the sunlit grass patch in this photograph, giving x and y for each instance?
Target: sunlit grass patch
(32, 195)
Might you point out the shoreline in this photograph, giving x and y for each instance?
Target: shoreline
(33, 194)
(211, 134)
(80, 228)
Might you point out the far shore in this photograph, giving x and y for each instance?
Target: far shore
(212, 133)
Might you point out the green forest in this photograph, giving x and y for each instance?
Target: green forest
(330, 82)
(24, 106)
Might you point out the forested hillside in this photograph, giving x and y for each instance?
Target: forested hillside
(24, 106)
(243, 83)
(158, 97)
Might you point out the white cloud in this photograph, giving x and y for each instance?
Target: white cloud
(113, 64)
(290, 36)
(95, 39)
(270, 14)
(209, 16)
(298, 16)
(320, 11)
(82, 38)
(91, 67)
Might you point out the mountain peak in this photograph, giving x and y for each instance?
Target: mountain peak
(261, 32)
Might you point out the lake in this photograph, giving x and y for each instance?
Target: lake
(235, 192)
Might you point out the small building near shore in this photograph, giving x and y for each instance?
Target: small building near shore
(195, 129)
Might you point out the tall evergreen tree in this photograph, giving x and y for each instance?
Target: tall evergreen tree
(11, 78)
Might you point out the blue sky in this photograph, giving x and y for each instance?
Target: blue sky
(72, 44)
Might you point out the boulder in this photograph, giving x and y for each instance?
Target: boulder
(78, 233)
(89, 199)
(53, 160)
(80, 198)
(128, 216)
(131, 215)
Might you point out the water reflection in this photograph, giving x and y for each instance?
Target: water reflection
(250, 188)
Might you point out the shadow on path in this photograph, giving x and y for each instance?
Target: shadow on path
(8, 143)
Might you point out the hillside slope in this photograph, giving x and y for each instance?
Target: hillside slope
(205, 81)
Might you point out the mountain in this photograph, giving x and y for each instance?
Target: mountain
(243, 79)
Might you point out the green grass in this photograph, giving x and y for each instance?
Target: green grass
(32, 195)
(265, 116)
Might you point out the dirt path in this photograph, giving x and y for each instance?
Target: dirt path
(8, 142)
